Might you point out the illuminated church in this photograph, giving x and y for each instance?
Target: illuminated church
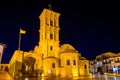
(49, 58)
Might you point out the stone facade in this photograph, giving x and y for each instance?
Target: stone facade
(49, 58)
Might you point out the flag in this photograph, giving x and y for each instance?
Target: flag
(22, 31)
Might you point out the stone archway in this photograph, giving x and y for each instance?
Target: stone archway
(28, 66)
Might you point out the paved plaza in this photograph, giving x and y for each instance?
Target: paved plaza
(80, 78)
(5, 76)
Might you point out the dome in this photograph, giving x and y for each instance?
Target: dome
(67, 48)
(82, 58)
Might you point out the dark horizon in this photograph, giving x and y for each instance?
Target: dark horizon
(91, 27)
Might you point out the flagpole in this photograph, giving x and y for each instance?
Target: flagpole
(19, 39)
(20, 34)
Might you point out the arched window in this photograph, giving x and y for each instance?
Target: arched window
(51, 19)
(51, 36)
(85, 66)
(51, 22)
(74, 62)
(53, 65)
(51, 48)
(68, 62)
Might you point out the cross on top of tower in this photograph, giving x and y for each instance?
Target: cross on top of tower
(50, 6)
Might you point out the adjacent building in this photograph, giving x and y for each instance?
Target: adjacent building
(3, 66)
(108, 62)
(2, 47)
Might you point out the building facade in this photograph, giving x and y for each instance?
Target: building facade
(112, 65)
(2, 47)
(108, 62)
(49, 58)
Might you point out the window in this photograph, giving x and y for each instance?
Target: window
(51, 48)
(85, 66)
(59, 62)
(74, 62)
(51, 36)
(53, 65)
(68, 62)
(51, 22)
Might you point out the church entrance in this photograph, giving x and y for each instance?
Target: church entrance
(28, 66)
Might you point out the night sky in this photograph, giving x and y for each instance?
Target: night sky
(91, 26)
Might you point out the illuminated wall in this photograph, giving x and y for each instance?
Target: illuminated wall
(83, 67)
(17, 57)
(50, 65)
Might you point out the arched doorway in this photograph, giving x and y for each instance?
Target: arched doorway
(28, 66)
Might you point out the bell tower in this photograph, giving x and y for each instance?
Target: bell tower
(49, 33)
